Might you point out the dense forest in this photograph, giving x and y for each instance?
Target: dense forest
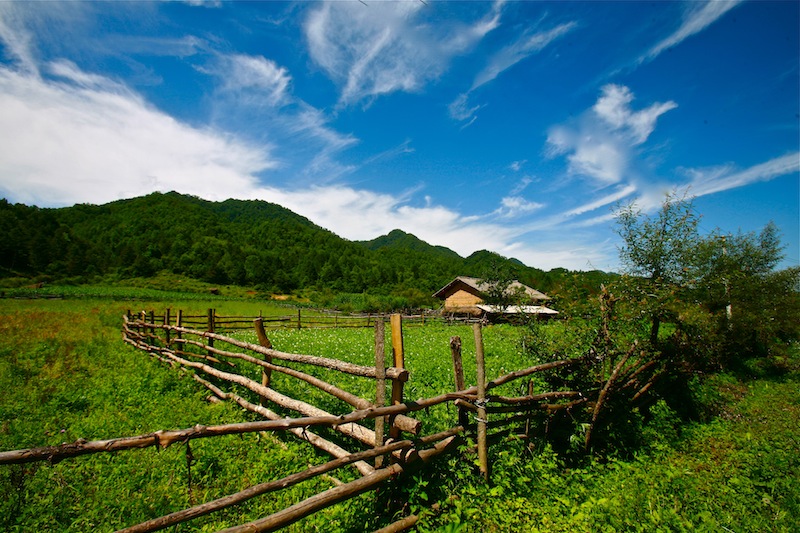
(238, 242)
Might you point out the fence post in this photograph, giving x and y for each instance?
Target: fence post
(299, 323)
(152, 319)
(398, 361)
(380, 389)
(179, 323)
(481, 403)
(166, 323)
(263, 340)
(458, 374)
(211, 326)
(528, 420)
(143, 315)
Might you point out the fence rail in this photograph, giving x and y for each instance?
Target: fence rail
(214, 360)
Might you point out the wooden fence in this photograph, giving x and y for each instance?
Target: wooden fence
(213, 322)
(213, 358)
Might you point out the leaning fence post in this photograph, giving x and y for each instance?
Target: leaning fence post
(380, 389)
(263, 340)
(458, 374)
(398, 361)
(481, 402)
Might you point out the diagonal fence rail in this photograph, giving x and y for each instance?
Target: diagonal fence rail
(214, 361)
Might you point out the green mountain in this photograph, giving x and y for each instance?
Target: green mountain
(398, 239)
(242, 242)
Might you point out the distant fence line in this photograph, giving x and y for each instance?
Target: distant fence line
(213, 322)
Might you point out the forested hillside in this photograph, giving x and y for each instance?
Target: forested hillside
(249, 243)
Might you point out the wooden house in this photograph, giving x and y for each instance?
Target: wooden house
(468, 295)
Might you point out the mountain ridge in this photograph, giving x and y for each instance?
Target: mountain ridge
(242, 242)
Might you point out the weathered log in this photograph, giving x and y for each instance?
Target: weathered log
(301, 433)
(480, 403)
(403, 422)
(401, 525)
(333, 364)
(257, 490)
(326, 499)
(365, 435)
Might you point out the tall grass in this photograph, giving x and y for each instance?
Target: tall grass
(66, 375)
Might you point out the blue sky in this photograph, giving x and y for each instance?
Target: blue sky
(509, 126)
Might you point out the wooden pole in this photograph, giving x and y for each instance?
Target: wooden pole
(179, 322)
(211, 326)
(481, 402)
(263, 340)
(380, 387)
(166, 323)
(398, 361)
(299, 323)
(458, 374)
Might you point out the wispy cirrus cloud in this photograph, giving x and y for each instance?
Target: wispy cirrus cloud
(383, 47)
(726, 177)
(697, 17)
(529, 43)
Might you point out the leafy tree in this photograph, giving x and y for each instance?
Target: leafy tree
(658, 249)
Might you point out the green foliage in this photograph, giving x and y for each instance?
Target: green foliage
(245, 243)
(63, 367)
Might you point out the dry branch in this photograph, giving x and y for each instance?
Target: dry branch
(302, 433)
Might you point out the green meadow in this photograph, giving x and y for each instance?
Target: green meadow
(66, 374)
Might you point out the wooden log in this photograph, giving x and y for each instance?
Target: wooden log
(257, 490)
(263, 340)
(405, 423)
(166, 323)
(380, 385)
(333, 364)
(211, 327)
(401, 525)
(356, 431)
(165, 438)
(458, 375)
(481, 402)
(329, 497)
(398, 355)
(302, 433)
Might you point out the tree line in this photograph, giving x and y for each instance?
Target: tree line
(237, 242)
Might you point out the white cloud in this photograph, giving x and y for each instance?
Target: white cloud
(516, 166)
(621, 193)
(62, 143)
(613, 107)
(514, 206)
(527, 45)
(460, 109)
(719, 179)
(698, 16)
(601, 144)
(16, 38)
(264, 77)
(383, 47)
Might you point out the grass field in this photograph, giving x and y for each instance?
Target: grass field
(66, 374)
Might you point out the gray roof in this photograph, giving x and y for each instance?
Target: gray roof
(483, 287)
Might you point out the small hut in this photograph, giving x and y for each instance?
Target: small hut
(466, 295)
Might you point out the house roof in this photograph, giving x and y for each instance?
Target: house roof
(517, 309)
(482, 287)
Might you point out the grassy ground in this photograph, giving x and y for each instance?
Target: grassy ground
(66, 375)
